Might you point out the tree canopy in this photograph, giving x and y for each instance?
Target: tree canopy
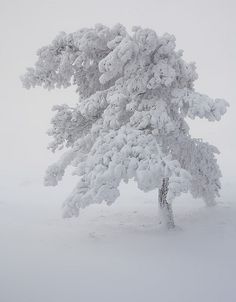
(134, 94)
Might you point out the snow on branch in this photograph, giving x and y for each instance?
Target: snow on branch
(195, 104)
(135, 91)
(122, 155)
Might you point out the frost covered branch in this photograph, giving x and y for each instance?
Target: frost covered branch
(135, 92)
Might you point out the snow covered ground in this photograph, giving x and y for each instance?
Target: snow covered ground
(117, 253)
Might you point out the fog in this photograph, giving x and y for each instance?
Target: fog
(205, 30)
(206, 33)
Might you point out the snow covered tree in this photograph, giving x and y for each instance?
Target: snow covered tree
(134, 94)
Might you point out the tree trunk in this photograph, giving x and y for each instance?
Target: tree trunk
(165, 208)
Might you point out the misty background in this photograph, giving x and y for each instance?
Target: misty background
(205, 30)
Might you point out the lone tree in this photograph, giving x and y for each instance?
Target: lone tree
(135, 92)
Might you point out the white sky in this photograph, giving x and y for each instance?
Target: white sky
(206, 30)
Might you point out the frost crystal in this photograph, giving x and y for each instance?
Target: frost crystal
(135, 92)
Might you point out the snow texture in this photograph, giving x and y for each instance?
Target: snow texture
(135, 93)
(117, 253)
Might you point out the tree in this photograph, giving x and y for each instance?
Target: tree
(135, 93)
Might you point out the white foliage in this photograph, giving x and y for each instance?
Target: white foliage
(135, 90)
(195, 104)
